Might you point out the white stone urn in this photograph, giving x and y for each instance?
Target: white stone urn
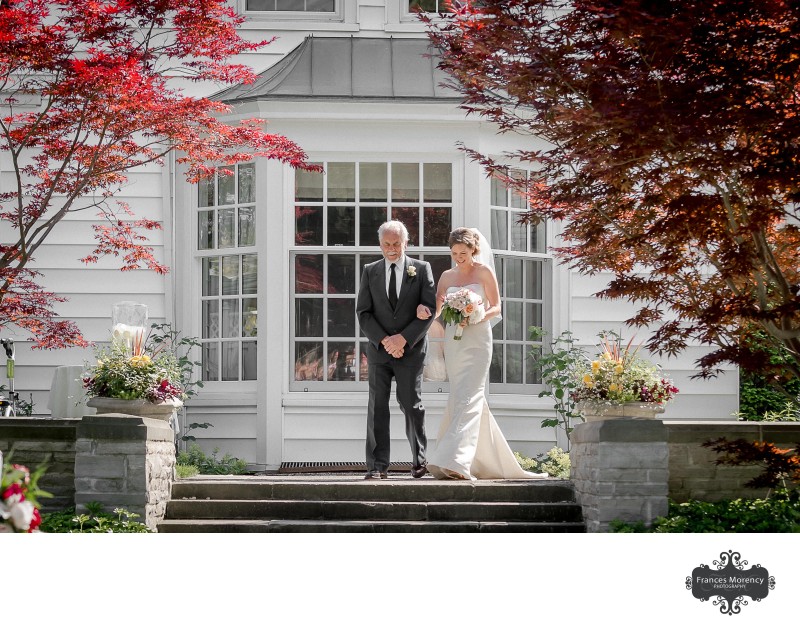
(135, 407)
(592, 411)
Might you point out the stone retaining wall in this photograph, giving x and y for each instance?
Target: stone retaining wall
(625, 469)
(118, 460)
(693, 474)
(34, 441)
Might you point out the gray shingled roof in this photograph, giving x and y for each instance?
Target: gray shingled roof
(350, 68)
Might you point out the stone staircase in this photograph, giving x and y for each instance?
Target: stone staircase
(336, 503)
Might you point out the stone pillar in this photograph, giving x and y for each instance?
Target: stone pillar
(125, 461)
(619, 467)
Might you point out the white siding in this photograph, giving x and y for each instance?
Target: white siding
(92, 289)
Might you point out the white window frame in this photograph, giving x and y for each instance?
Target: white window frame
(414, 251)
(400, 20)
(343, 17)
(547, 295)
(198, 255)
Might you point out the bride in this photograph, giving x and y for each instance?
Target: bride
(470, 444)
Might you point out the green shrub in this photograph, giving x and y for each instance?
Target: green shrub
(765, 395)
(760, 402)
(94, 520)
(555, 463)
(186, 470)
(210, 464)
(780, 512)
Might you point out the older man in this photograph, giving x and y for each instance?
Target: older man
(388, 297)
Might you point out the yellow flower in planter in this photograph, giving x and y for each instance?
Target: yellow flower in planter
(140, 361)
(154, 376)
(618, 375)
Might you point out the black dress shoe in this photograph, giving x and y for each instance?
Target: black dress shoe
(419, 471)
(376, 475)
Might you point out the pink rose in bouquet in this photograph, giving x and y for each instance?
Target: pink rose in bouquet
(462, 307)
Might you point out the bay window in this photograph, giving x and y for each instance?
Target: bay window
(337, 214)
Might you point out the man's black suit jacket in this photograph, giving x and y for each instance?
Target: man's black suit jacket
(377, 319)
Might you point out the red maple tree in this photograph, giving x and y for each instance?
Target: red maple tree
(670, 150)
(90, 90)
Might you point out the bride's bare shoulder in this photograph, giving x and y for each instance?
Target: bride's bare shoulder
(448, 273)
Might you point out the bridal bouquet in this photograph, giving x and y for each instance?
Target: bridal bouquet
(462, 307)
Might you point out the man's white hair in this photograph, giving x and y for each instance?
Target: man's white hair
(395, 227)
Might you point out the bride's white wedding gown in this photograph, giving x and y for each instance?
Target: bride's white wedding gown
(470, 443)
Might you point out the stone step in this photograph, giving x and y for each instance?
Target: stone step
(425, 489)
(355, 526)
(335, 503)
(373, 510)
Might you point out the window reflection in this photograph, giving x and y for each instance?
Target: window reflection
(226, 186)
(247, 226)
(437, 226)
(308, 225)
(247, 183)
(341, 182)
(341, 361)
(308, 361)
(372, 185)
(308, 273)
(226, 228)
(410, 217)
(341, 317)
(205, 230)
(308, 185)
(342, 273)
(308, 317)
(358, 198)
(437, 181)
(405, 182)
(341, 225)
(369, 222)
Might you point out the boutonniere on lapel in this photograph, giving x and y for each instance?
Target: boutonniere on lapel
(411, 271)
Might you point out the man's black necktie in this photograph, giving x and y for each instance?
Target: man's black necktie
(393, 287)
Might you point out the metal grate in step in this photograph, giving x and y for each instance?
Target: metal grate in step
(336, 467)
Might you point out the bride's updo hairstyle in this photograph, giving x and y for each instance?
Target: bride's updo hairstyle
(467, 237)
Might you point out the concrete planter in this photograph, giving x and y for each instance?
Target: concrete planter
(135, 407)
(633, 409)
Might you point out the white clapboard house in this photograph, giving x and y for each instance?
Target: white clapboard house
(265, 265)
